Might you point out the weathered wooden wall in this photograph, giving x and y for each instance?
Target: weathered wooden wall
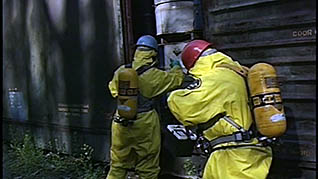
(282, 33)
(58, 58)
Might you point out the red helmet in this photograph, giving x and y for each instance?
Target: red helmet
(192, 51)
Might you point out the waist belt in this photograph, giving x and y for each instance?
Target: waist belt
(235, 137)
(241, 135)
(123, 121)
(146, 107)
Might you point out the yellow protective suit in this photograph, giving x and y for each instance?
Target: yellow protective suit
(221, 91)
(138, 145)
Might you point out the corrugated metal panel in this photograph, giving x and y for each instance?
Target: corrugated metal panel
(282, 33)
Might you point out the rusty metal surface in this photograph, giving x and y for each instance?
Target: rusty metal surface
(282, 33)
(127, 30)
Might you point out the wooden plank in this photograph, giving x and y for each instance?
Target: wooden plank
(305, 72)
(280, 61)
(300, 109)
(267, 44)
(230, 6)
(257, 9)
(266, 38)
(296, 150)
(252, 25)
(298, 91)
(253, 55)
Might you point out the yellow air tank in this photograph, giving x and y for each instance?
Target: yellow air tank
(128, 92)
(266, 100)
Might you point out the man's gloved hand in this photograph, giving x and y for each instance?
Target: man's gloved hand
(174, 63)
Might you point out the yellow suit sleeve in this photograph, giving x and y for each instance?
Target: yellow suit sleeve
(155, 82)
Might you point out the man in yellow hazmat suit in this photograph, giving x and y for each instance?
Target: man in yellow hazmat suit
(218, 102)
(138, 145)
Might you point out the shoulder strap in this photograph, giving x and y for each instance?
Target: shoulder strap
(143, 69)
(211, 122)
(241, 72)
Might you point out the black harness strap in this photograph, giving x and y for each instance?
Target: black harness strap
(144, 104)
(235, 137)
(204, 126)
(143, 69)
(240, 136)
